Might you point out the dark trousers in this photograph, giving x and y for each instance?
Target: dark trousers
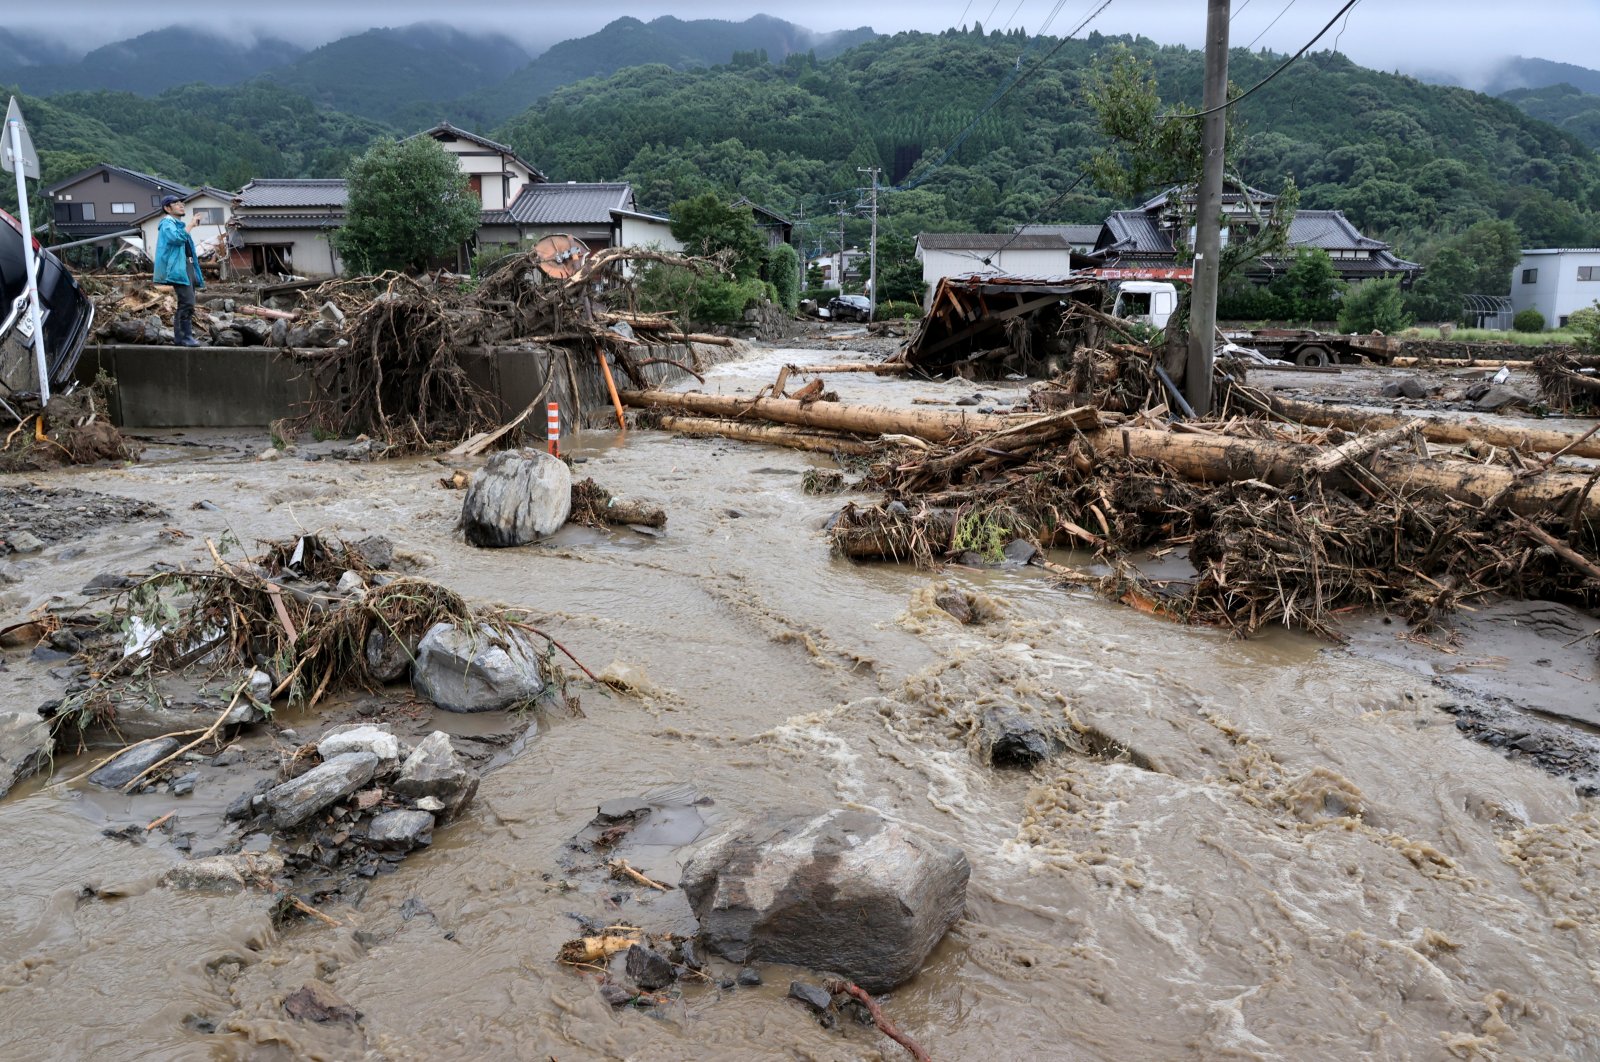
(183, 319)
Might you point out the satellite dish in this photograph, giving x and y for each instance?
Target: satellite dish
(560, 255)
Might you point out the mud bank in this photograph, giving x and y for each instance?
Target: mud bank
(1268, 848)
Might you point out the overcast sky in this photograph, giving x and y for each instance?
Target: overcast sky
(1410, 34)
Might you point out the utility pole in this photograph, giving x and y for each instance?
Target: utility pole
(838, 207)
(872, 265)
(1208, 213)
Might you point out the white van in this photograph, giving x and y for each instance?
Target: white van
(1149, 302)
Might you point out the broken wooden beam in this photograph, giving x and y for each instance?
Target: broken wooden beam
(1361, 446)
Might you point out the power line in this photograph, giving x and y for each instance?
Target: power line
(962, 20)
(1274, 22)
(1013, 17)
(1041, 212)
(1238, 11)
(1303, 50)
(994, 101)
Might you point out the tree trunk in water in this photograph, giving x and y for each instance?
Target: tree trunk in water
(933, 425)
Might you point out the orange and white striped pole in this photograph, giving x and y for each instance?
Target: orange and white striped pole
(553, 428)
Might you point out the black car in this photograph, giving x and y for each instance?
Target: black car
(850, 308)
(66, 312)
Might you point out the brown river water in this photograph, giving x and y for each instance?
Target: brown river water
(1265, 849)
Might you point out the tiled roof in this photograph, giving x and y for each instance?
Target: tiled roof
(1134, 232)
(565, 204)
(1330, 230)
(291, 194)
(757, 208)
(159, 183)
(1072, 233)
(288, 221)
(992, 241)
(1231, 193)
(447, 129)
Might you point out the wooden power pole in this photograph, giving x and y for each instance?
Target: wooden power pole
(1208, 212)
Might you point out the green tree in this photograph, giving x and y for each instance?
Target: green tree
(783, 270)
(1586, 323)
(408, 204)
(706, 225)
(1529, 320)
(1374, 306)
(1311, 286)
(899, 272)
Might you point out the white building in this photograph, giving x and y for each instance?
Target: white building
(1556, 281)
(960, 254)
(494, 172)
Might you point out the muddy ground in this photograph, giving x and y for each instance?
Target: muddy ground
(1275, 848)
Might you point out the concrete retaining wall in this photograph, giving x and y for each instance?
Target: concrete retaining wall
(239, 387)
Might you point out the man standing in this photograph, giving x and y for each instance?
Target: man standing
(178, 264)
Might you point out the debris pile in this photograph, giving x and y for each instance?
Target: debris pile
(1569, 382)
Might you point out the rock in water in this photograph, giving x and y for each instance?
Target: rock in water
(648, 969)
(845, 891)
(520, 496)
(478, 672)
(128, 766)
(375, 738)
(1011, 739)
(300, 798)
(24, 747)
(435, 771)
(388, 658)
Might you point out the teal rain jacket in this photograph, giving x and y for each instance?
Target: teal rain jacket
(174, 251)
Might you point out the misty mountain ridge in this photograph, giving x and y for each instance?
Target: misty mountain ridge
(144, 65)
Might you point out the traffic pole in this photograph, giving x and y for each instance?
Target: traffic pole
(553, 428)
(30, 263)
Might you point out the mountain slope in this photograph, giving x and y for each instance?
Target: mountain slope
(386, 73)
(154, 62)
(1404, 159)
(628, 42)
(1563, 106)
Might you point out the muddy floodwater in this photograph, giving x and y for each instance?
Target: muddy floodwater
(1272, 849)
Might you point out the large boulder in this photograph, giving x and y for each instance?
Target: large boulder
(518, 497)
(298, 799)
(134, 762)
(476, 671)
(843, 891)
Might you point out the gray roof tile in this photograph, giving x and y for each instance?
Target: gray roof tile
(569, 204)
(299, 193)
(992, 241)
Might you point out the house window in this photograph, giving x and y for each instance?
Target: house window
(155, 200)
(1589, 272)
(105, 176)
(122, 208)
(63, 212)
(1530, 276)
(1561, 322)
(208, 215)
(88, 211)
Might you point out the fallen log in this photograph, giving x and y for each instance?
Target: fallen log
(266, 311)
(744, 431)
(1433, 429)
(881, 368)
(1359, 447)
(933, 425)
(697, 337)
(1460, 363)
(1220, 458)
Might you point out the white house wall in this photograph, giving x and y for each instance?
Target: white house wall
(501, 178)
(938, 264)
(637, 232)
(1557, 292)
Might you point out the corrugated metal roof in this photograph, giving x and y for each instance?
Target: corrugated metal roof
(991, 241)
(274, 194)
(1562, 250)
(570, 204)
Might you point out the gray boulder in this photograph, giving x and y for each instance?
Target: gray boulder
(225, 873)
(298, 799)
(1010, 739)
(400, 831)
(434, 772)
(518, 497)
(480, 671)
(128, 766)
(388, 658)
(24, 747)
(361, 737)
(843, 891)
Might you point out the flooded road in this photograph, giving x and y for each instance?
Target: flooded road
(1265, 849)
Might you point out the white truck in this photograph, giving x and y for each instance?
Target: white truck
(1149, 302)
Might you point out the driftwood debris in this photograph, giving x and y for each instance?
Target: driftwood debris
(1433, 429)
(933, 425)
(776, 435)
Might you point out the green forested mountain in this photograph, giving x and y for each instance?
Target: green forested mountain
(1408, 161)
(391, 74)
(146, 64)
(1569, 109)
(628, 42)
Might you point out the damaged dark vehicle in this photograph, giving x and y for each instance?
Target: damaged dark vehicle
(66, 313)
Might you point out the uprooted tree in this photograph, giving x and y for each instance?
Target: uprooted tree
(409, 204)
